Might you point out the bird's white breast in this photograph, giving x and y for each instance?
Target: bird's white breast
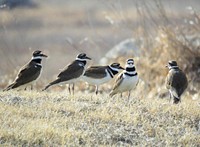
(128, 83)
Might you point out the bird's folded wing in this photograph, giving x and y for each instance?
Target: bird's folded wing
(72, 71)
(96, 72)
(118, 81)
(28, 74)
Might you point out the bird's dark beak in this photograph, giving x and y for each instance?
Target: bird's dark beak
(43, 55)
(88, 58)
(166, 66)
(121, 68)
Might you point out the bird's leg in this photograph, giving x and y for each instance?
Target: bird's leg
(69, 89)
(96, 90)
(170, 96)
(31, 87)
(73, 88)
(129, 94)
(121, 94)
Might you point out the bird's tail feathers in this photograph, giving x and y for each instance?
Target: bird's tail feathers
(51, 84)
(9, 87)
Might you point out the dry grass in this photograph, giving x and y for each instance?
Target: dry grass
(168, 46)
(55, 118)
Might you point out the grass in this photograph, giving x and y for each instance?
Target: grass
(56, 118)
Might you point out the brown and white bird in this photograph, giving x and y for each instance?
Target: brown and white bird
(176, 81)
(127, 80)
(29, 73)
(71, 72)
(97, 75)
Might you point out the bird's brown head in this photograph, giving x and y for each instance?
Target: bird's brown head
(130, 63)
(172, 64)
(116, 66)
(39, 53)
(82, 56)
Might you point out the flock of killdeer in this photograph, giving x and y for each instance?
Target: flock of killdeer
(176, 81)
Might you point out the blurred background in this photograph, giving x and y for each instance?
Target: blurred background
(150, 31)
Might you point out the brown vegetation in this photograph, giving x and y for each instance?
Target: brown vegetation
(53, 118)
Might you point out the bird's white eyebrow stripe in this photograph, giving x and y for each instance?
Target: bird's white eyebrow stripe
(38, 57)
(38, 64)
(80, 59)
(115, 69)
(130, 62)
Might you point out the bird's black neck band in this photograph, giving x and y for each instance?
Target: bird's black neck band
(130, 69)
(174, 67)
(131, 75)
(37, 60)
(113, 72)
(83, 61)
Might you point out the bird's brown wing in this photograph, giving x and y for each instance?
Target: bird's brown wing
(177, 80)
(28, 73)
(182, 83)
(74, 70)
(118, 81)
(96, 72)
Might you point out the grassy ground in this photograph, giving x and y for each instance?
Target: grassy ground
(55, 118)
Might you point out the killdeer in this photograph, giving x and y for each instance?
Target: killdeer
(72, 72)
(176, 81)
(127, 80)
(97, 75)
(29, 72)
